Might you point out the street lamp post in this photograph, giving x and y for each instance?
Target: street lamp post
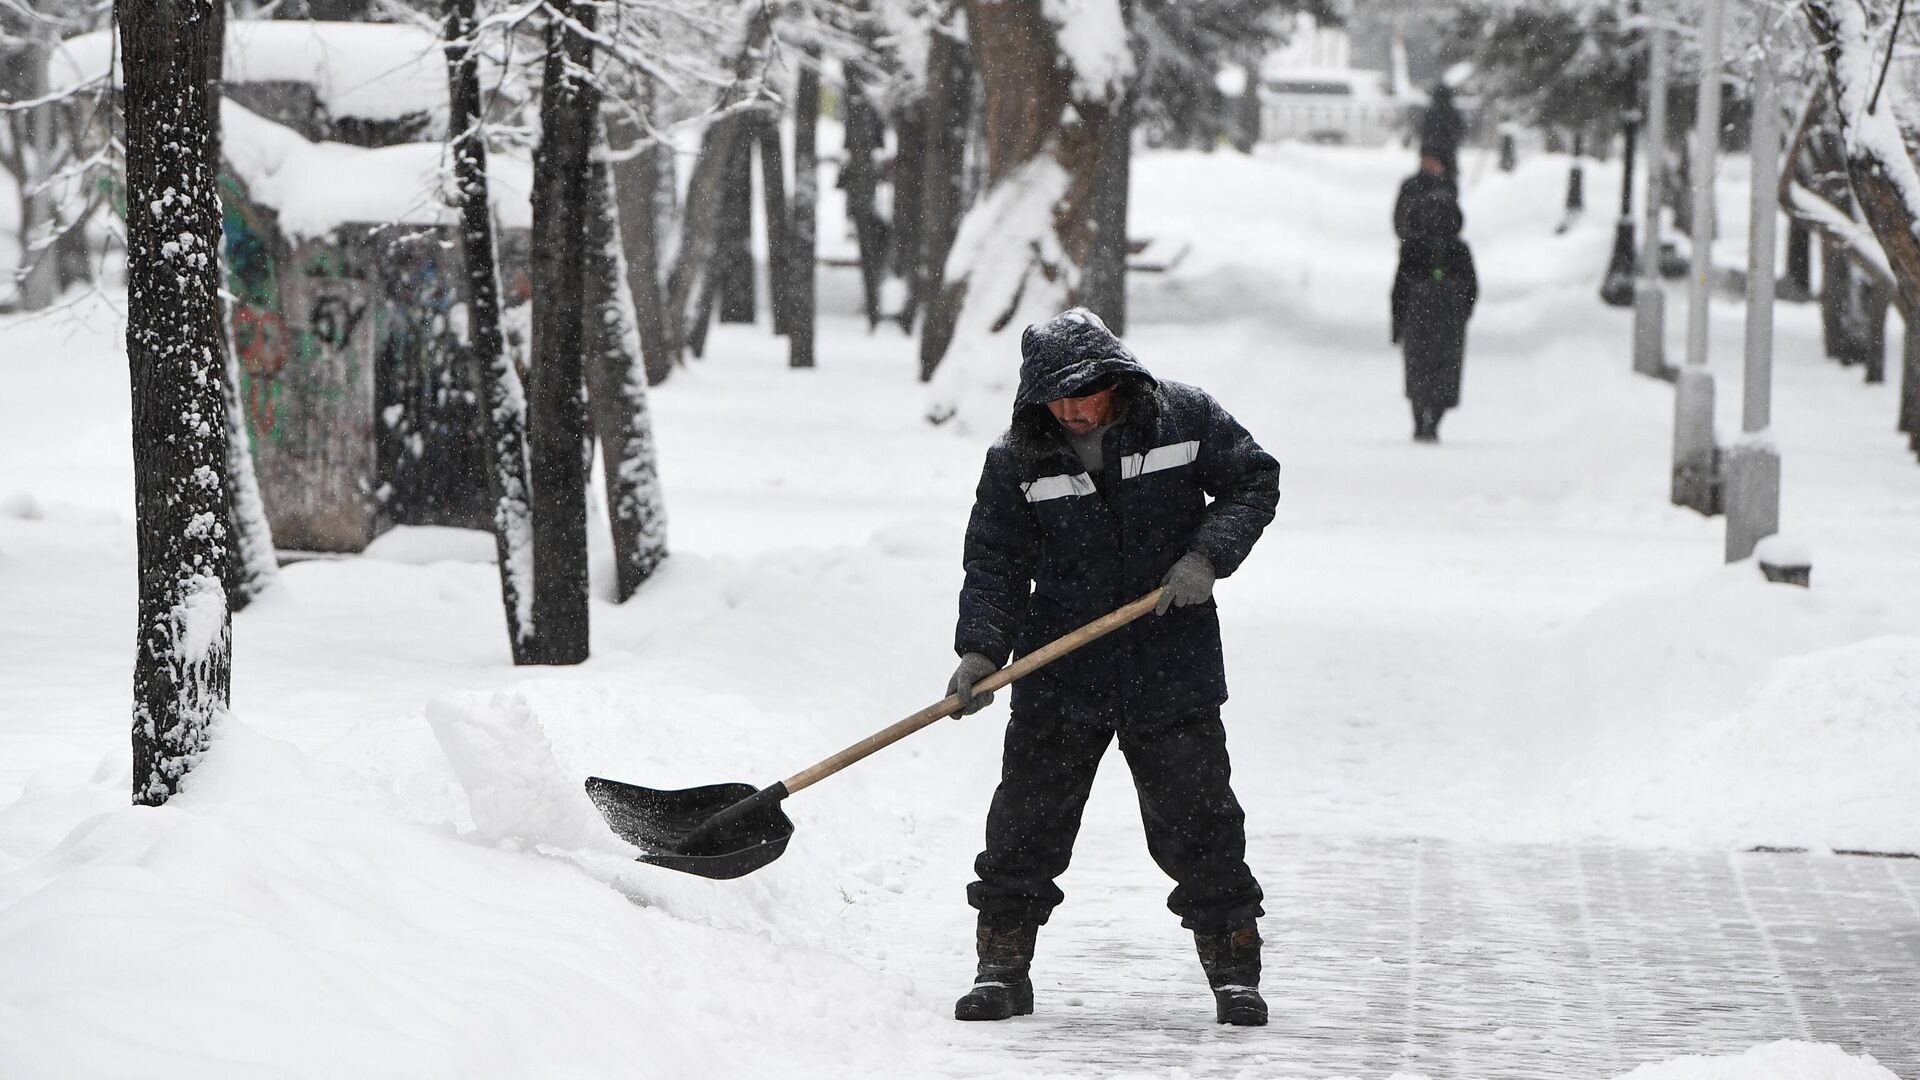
(1694, 476)
(1617, 288)
(1649, 302)
(1753, 462)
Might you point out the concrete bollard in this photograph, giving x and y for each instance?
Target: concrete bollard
(1785, 561)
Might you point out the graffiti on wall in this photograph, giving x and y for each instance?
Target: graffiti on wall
(356, 376)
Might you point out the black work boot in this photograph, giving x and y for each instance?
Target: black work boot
(1002, 987)
(1232, 962)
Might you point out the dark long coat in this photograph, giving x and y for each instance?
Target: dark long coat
(1049, 549)
(1414, 191)
(1442, 128)
(1434, 292)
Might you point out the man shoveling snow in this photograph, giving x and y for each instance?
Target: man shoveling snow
(1098, 492)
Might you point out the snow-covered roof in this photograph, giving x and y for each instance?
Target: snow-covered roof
(1347, 82)
(317, 187)
(371, 71)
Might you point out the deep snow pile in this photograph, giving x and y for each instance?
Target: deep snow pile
(386, 866)
(1774, 1061)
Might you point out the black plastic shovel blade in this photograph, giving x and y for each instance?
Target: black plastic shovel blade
(660, 822)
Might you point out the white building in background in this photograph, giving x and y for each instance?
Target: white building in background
(1310, 90)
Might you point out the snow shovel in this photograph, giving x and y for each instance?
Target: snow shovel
(727, 830)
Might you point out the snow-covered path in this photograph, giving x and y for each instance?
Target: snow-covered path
(1472, 960)
(1473, 683)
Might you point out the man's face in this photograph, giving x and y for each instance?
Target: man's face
(1433, 165)
(1080, 415)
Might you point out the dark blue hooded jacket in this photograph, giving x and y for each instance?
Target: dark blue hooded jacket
(1048, 549)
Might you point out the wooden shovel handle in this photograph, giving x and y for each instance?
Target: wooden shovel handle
(940, 710)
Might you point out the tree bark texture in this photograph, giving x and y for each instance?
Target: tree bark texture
(1029, 84)
(638, 181)
(617, 394)
(183, 660)
(1871, 308)
(556, 413)
(1105, 291)
(860, 177)
(1836, 297)
(949, 118)
(909, 200)
(689, 286)
(1879, 197)
(251, 563)
(1799, 283)
(490, 369)
(733, 246)
(702, 315)
(1015, 51)
(773, 191)
(806, 187)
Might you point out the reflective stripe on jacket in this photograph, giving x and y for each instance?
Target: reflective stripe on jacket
(1049, 549)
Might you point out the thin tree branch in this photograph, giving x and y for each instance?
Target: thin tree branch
(1893, 34)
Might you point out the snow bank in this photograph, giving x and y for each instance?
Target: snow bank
(514, 785)
(420, 545)
(276, 920)
(1784, 1060)
(317, 187)
(1816, 755)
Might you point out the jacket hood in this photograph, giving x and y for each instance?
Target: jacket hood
(1067, 354)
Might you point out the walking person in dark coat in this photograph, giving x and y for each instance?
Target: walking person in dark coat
(1434, 291)
(1441, 130)
(1432, 179)
(1108, 483)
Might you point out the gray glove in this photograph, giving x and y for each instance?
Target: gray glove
(1189, 582)
(973, 667)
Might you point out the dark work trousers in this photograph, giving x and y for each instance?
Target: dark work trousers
(1195, 828)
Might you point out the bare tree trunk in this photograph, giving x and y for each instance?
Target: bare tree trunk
(638, 180)
(860, 177)
(1881, 169)
(697, 261)
(1036, 144)
(693, 269)
(806, 186)
(1910, 380)
(38, 221)
(949, 117)
(492, 374)
(773, 191)
(1105, 291)
(908, 237)
(1679, 193)
(251, 564)
(1798, 286)
(1872, 304)
(1836, 296)
(733, 246)
(183, 663)
(617, 393)
(703, 313)
(556, 415)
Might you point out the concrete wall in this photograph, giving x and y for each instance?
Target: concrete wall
(355, 377)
